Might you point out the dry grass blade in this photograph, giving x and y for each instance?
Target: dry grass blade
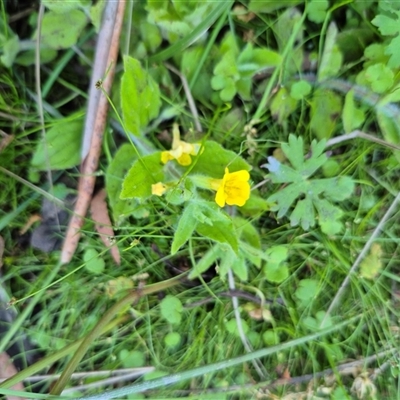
(99, 212)
(7, 369)
(96, 118)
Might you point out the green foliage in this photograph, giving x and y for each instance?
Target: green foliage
(314, 324)
(131, 359)
(299, 184)
(144, 172)
(140, 96)
(326, 106)
(93, 262)
(116, 171)
(306, 291)
(171, 309)
(208, 220)
(352, 116)
(388, 25)
(60, 148)
(275, 269)
(316, 10)
(231, 326)
(214, 159)
(172, 340)
(233, 74)
(61, 31)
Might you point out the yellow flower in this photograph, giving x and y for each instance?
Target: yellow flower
(158, 189)
(233, 188)
(181, 151)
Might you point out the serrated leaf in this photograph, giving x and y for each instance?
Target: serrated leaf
(303, 214)
(307, 290)
(380, 77)
(352, 116)
(61, 31)
(281, 173)
(294, 151)
(386, 25)
(140, 96)
(316, 10)
(144, 172)
(340, 188)
(329, 216)
(317, 159)
(392, 49)
(220, 231)
(171, 309)
(186, 225)
(285, 198)
(61, 146)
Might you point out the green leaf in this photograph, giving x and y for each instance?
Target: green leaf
(144, 172)
(218, 226)
(61, 146)
(275, 269)
(230, 260)
(207, 260)
(386, 25)
(172, 339)
(316, 10)
(332, 58)
(352, 116)
(281, 173)
(338, 189)
(131, 359)
(380, 77)
(115, 173)
(285, 198)
(393, 50)
(231, 327)
(186, 225)
(326, 106)
(140, 96)
(372, 265)
(214, 159)
(294, 151)
(93, 263)
(171, 309)
(282, 105)
(61, 31)
(307, 291)
(300, 89)
(334, 189)
(10, 50)
(329, 216)
(62, 6)
(303, 214)
(269, 6)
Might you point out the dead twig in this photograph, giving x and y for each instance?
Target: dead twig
(105, 60)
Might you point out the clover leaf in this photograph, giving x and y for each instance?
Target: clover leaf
(314, 196)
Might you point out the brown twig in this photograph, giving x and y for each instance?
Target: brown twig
(106, 55)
